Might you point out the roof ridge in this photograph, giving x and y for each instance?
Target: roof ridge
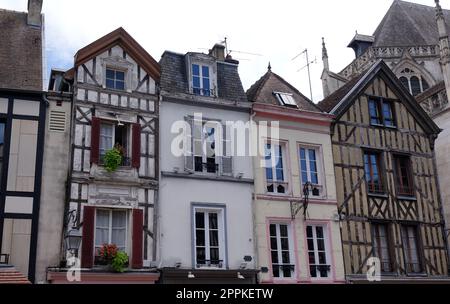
(256, 88)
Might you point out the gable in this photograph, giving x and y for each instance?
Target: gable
(129, 45)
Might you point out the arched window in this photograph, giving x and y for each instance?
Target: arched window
(413, 82)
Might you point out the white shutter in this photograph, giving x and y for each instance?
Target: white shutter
(227, 159)
(188, 152)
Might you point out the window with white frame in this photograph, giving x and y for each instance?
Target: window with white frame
(201, 80)
(115, 136)
(318, 252)
(286, 99)
(209, 234)
(111, 227)
(309, 169)
(282, 256)
(275, 163)
(115, 79)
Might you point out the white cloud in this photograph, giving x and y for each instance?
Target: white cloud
(278, 30)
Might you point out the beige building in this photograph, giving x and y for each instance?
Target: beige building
(295, 209)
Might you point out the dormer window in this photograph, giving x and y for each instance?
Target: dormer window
(201, 80)
(115, 79)
(286, 99)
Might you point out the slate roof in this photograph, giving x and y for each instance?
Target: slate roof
(408, 24)
(20, 52)
(332, 100)
(174, 78)
(262, 92)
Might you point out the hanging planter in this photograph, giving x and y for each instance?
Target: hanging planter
(113, 159)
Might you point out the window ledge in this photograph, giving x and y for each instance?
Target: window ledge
(379, 195)
(212, 177)
(407, 198)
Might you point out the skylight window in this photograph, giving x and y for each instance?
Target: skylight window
(286, 99)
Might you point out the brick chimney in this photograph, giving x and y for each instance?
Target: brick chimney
(34, 12)
(218, 52)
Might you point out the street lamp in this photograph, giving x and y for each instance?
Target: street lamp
(72, 241)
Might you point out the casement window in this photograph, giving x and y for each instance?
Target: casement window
(112, 226)
(107, 135)
(286, 99)
(309, 169)
(2, 145)
(207, 138)
(209, 232)
(115, 136)
(275, 165)
(373, 169)
(382, 246)
(201, 80)
(381, 112)
(403, 174)
(318, 252)
(411, 249)
(281, 252)
(413, 82)
(115, 79)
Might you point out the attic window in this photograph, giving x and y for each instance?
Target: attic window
(286, 99)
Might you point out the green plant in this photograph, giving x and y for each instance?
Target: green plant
(120, 261)
(112, 160)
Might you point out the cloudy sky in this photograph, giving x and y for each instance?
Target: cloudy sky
(276, 31)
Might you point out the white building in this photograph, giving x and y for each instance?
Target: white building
(205, 210)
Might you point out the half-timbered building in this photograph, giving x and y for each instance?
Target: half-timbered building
(115, 108)
(296, 226)
(386, 178)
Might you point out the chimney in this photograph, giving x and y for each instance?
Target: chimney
(34, 12)
(218, 52)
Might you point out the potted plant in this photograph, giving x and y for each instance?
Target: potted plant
(112, 160)
(109, 255)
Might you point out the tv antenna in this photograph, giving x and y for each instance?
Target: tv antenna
(228, 51)
(308, 64)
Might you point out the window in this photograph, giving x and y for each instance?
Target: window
(2, 145)
(115, 136)
(404, 183)
(275, 174)
(381, 112)
(201, 80)
(309, 168)
(413, 82)
(205, 159)
(382, 246)
(372, 166)
(318, 252)
(410, 242)
(115, 79)
(281, 252)
(286, 99)
(111, 228)
(209, 238)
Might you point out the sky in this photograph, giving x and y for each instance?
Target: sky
(270, 31)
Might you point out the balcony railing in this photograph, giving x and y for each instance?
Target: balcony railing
(210, 263)
(126, 161)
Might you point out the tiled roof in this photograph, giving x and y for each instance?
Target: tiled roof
(408, 24)
(20, 52)
(9, 275)
(332, 100)
(174, 78)
(262, 92)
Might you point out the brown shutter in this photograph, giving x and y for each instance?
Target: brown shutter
(95, 140)
(138, 239)
(136, 149)
(87, 252)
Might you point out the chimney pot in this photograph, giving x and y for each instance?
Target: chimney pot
(34, 12)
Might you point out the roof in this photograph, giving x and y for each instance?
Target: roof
(440, 86)
(339, 102)
(20, 52)
(262, 92)
(362, 38)
(128, 43)
(408, 24)
(174, 77)
(9, 275)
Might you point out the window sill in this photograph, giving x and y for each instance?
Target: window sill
(407, 198)
(378, 195)
(383, 126)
